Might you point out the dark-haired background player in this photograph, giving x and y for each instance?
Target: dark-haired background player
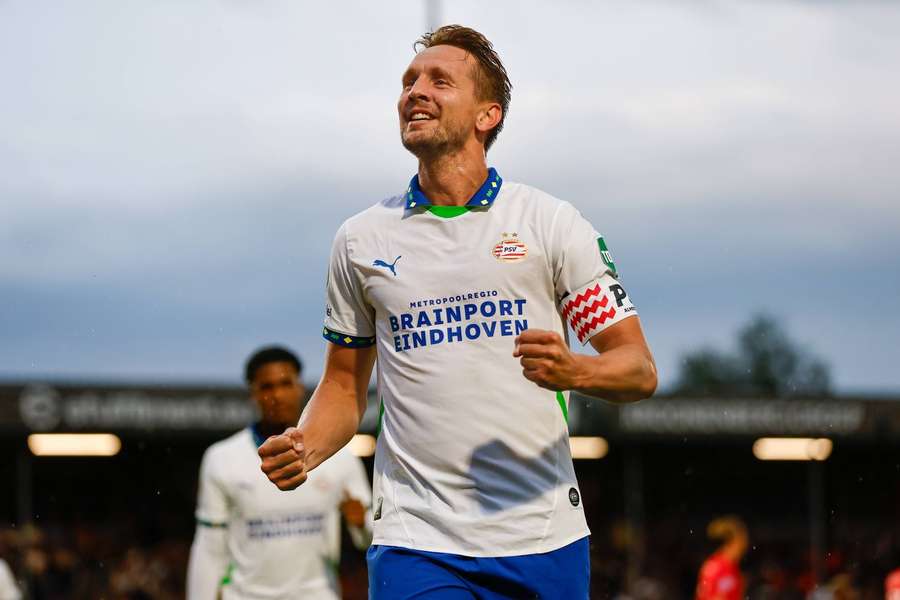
(255, 541)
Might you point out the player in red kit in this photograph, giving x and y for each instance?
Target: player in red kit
(720, 578)
(892, 585)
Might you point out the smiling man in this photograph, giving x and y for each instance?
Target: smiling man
(462, 287)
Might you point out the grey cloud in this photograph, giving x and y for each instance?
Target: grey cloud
(173, 173)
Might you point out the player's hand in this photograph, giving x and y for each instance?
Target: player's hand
(284, 459)
(353, 510)
(546, 359)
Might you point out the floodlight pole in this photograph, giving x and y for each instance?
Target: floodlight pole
(23, 488)
(634, 513)
(433, 14)
(24, 509)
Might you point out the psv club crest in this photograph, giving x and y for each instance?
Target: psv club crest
(510, 248)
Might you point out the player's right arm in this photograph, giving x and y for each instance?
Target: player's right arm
(330, 419)
(207, 564)
(333, 413)
(209, 557)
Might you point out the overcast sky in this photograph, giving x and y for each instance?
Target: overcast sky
(171, 173)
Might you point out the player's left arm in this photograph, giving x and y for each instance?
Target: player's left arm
(622, 371)
(592, 301)
(356, 504)
(207, 563)
(208, 560)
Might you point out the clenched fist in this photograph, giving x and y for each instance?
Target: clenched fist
(284, 459)
(547, 360)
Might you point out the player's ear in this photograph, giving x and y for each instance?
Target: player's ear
(488, 117)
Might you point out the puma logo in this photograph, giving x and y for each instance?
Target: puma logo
(380, 263)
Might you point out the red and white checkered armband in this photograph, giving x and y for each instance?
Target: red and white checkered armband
(594, 307)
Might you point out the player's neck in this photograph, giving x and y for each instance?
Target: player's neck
(451, 180)
(268, 428)
(733, 552)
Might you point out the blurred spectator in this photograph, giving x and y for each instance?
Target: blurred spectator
(839, 588)
(773, 580)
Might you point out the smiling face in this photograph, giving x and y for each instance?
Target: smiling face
(439, 108)
(277, 390)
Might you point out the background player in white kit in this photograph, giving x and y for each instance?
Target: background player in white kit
(463, 286)
(8, 588)
(254, 541)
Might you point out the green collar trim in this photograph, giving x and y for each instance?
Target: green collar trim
(448, 212)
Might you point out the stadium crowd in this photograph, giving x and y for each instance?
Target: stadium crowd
(109, 561)
(116, 560)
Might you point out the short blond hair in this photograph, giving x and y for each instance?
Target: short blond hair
(726, 528)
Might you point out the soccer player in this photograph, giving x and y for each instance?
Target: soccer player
(254, 541)
(720, 577)
(8, 588)
(462, 286)
(892, 585)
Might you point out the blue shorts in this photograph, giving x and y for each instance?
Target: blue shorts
(402, 574)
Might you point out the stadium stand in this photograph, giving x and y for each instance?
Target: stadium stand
(120, 527)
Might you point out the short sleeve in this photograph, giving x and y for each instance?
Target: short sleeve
(590, 297)
(212, 501)
(349, 319)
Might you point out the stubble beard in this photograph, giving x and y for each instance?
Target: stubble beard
(441, 142)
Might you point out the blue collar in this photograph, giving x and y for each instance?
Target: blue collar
(258, 439)
(482, 198)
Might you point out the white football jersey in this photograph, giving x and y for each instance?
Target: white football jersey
(8, 588)
(281, 544)
(472, 458)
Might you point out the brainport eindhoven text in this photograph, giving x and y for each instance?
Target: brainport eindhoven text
(464, 317)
